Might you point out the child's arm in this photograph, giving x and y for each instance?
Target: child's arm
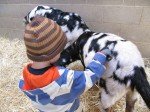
(80, 81)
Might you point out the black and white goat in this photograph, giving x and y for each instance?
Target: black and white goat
(125, 74)
(71, 23)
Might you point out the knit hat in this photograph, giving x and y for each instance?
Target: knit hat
(44, 39)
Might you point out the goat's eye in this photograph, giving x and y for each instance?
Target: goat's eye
(31, 18)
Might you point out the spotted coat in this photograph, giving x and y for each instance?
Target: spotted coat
(125, 73)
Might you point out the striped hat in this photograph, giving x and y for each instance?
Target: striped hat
(44, 39)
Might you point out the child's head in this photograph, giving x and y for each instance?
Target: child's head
(44, 39)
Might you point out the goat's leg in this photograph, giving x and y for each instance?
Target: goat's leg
(106, 102)
(110, 109)
(68, 56)
(104, 89)
(113, 92)
(131, 98)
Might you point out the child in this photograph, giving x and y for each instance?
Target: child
(53, 88)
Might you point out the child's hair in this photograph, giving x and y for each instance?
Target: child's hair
(44, 39)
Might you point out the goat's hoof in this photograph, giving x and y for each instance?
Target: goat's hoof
(109, 109)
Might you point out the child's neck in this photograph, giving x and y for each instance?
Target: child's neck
(39, 65)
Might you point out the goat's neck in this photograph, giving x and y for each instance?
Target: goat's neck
(81, 41)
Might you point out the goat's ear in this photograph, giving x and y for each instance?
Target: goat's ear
(25, 20)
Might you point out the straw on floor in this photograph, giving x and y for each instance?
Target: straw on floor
(13, 59)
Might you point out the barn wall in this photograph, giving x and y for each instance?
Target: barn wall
(127, 18)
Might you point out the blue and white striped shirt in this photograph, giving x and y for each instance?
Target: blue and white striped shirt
(62, 95)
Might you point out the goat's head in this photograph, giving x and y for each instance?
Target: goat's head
(39, 10)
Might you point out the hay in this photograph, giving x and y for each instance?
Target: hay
(13, 59)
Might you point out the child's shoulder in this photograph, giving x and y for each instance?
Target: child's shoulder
(61, 69)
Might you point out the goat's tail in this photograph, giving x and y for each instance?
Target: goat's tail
(141, 84)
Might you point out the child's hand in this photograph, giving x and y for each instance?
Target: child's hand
(108, 53)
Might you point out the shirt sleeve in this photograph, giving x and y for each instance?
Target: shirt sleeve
(81, 81)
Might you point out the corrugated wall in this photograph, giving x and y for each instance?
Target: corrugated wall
(127, 18)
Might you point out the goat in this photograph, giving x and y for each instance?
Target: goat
(125, 74)
(71, 23)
